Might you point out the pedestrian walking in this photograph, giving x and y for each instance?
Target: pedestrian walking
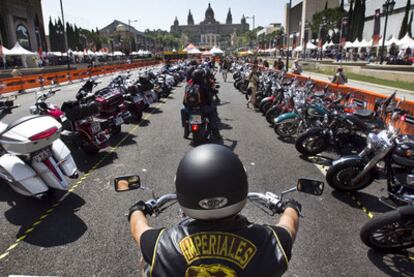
(340, 78)
(253, 80)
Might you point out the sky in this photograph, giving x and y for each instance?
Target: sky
(155, 14)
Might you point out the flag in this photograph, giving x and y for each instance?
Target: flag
(377, 26)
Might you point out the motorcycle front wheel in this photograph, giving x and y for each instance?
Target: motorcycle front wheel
(311, 142)
(340, 177)
(288, 129)
(390, 231)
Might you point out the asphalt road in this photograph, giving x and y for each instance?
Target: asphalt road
(85, 233)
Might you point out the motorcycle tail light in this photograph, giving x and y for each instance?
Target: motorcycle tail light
(45, 134)
(403, 118)
(195, 128)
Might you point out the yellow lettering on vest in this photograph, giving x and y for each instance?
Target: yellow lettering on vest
(224, 245)
(239, 251)
(197, 241)
(247, 255)
(212, 244)
(205, 248)
(231, 252)
(192, 249)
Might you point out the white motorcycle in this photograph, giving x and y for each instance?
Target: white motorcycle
(33, 160)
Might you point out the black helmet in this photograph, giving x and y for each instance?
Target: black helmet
(211, 183)
(198, 76)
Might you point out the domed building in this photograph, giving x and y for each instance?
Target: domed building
(210, 32)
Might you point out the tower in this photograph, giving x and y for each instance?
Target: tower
(190, 19)
(243, 20)
(176, 23)
(229, 19)
(209, 19)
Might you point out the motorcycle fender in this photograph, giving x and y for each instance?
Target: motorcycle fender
(55, 178)
(64, 158)
(25, 180)
(353, 160)
(406, 211)
(285, 118)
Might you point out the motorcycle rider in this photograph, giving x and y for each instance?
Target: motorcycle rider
(198, 77)
(211, 187)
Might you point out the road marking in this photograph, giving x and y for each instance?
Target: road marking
(75, 185)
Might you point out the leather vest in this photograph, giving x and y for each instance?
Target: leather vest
(232, 247)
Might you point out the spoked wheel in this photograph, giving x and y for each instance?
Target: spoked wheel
(311, 142)
(288, 129)
(390, 231)
(272, 113)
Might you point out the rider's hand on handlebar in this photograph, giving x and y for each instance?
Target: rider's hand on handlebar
(140, 206)
(292, 203)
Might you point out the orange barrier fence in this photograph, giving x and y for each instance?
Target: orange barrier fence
(366, 100)
(40, 80)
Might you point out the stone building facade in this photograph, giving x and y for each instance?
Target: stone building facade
(22, 21)
(210, 32)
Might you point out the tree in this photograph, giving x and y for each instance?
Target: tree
(333, 18)
(342, 6)
(410, 24)
(350, 19)
(404, 24)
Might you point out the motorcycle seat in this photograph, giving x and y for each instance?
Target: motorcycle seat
(364, 114)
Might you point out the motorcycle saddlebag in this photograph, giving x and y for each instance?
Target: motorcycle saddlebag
(109, 100)
(75, 111)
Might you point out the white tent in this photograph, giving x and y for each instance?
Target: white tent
(190, 47)
(311, 46)
(365, 44)
(118, 53)
(216, 51)
(18, 50)
(393, 40)
(406, 42)
(194, 51)
(348, 44)
(325, 46)
(331, 43)
(4, 51)
(133, 53)
(356, 44)
(298, 49)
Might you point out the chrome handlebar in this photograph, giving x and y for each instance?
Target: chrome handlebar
(269, 201)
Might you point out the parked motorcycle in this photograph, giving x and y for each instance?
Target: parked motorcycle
(33, 159)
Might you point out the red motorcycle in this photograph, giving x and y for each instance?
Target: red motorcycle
(110, 102)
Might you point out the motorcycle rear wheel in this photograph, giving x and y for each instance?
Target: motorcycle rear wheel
(198, 138)
(89, 148)
(389, 232)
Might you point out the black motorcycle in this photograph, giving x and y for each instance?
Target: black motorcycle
(344, 132)
(387, 154)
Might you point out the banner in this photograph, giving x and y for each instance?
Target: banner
(377, 26)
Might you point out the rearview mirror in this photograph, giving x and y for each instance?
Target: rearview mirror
(310, 186)
(127, 183)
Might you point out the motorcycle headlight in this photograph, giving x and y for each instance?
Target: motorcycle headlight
(373, 141)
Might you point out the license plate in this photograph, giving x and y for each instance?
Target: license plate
(95, 127)
(118, 121)
(137, 99)
(41, 155)
(195, 119)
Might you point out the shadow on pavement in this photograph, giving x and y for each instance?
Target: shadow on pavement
(369, 201)
(153, 110)
(60, 227)
(393, 264)
(224, 126)
(85, 162)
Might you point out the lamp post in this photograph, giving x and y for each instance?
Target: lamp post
(65, 35)
(321, 27)
(387, 9)
(129, 30)
(288, 34)
(253, 18)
